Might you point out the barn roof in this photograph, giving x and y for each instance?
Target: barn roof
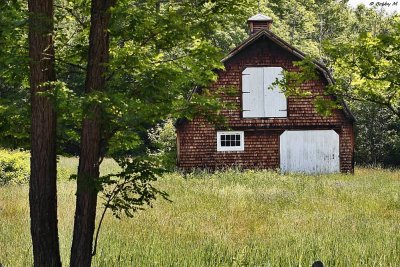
(293, 50)
(259, 17)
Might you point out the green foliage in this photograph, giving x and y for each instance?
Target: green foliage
(207, 104)
(14, 167)
(291, 85)
(291, 82)
(369, 69)
(161, 52)
(14, 107)
(14, 120)
(163, 144)
(128, 191)
(378, 135)
(13, 39)
(325, 106)
(364, 58)
(298, 22)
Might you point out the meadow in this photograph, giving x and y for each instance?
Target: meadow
(231, 218)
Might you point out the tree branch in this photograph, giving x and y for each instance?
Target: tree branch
(101, 221)
(70, 64)
(106, 206)
(382, 103)
(71, 12)
(168, 60)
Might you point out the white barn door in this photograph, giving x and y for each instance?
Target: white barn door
(312, 151)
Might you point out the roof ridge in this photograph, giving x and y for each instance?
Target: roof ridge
(260, 17)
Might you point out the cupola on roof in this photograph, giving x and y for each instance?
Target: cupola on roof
(259, 22)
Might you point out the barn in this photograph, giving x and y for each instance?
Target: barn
(268, 130)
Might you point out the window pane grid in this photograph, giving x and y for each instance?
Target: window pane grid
(230, 140)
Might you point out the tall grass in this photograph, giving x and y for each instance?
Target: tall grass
(232, 218)
(68, 166)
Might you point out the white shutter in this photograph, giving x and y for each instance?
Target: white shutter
(252, 92)
(275, 104)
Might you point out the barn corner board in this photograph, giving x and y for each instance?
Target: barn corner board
(266, 129)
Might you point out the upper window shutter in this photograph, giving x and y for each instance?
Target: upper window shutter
(252, 90)
(275, 104)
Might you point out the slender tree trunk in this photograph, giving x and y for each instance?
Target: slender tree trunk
(42, 185)
(88, 170)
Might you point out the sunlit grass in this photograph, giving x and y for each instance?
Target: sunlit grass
(69, 166)
(231, 218)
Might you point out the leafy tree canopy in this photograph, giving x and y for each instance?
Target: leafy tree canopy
(163, 51)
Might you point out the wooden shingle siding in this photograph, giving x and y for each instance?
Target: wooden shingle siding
(198, 148)
(197, 138)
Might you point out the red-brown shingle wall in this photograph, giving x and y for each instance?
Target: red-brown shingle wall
(347, 147)
(197, 144)
(197, 138)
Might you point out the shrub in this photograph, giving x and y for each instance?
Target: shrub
(14, 167)
(163, 140)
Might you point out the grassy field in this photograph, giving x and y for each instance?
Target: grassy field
(233, 219)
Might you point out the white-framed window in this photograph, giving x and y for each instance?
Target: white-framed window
(230, 141)
(259, 99)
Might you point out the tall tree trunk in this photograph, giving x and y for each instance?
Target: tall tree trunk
(88, 170)
(42, 185)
